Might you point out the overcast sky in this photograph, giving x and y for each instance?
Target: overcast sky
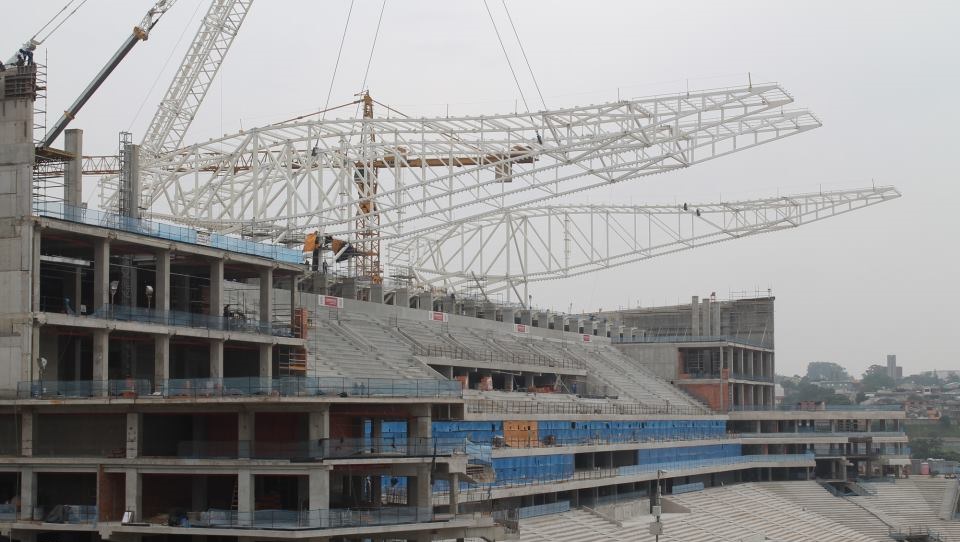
(882, 76)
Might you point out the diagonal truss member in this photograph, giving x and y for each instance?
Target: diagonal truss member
(283, 180)
(551, 242)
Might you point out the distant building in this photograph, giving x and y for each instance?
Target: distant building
(893, 371)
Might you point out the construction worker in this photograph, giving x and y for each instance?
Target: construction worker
(26, 53)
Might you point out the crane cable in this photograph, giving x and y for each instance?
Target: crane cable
(524, 53)
(507, 56)
(54, 29)
(336, 65)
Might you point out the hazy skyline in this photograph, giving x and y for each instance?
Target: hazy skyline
(882, 76)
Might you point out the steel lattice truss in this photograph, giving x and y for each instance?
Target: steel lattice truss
(282, 180)
(196, 73)
(551, 242)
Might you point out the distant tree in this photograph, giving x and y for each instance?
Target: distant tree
(876, 378)
(945, 421)
(808, 391)
(861, 397)
(826, 370)
(924, 379)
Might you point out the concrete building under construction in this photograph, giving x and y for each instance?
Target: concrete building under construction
(166, 373)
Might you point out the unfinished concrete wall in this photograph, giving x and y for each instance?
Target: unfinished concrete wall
(662, 359)
(17, 250)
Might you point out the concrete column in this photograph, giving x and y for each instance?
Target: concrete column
(348, 288)
(73, 169)
(133, 435)
(101, 273)
(470, 308)
(448, 304)
(134, 494)
(420, 494)
(216, 358)
(28, 493)
(319, 489)
(401, 297)
(101, 357)
(376, 293)
(425, 301)
(318, 424)
(266, 361)
(489, 311)
(216, 288)
(421, 425)
(528, 380)
(161, 286)
(526, 317)
(715, 319)
(266, 295)
(26, 433)
(246, 490)
(695, 316)
(454, 493)
(161, 361)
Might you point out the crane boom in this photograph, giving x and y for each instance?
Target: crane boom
(140, 33)
(197, 71)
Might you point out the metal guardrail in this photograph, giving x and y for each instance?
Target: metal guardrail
(124, 313)
(686, 339)
(197, 388)
(626, 436)
(491, 356)
(558, 507)
(169, 232)
(753, 377)
(672, 468)
(330, 448)
(679, 489)
(309, 519)
(510, 407)
(828, 408)
(8, 512)
(815, 434)
(66, 513)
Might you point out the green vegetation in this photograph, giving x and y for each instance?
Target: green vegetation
(876, 378)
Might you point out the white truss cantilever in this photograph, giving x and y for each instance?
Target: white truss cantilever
(197, 70)
(292, 177)
(552, 242)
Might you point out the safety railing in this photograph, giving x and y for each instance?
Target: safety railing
(83, 389)
(672, 468)
(492, 356)
(625, 436)
(63, 448)
(687, 339)
(309, 519)
(169, 232)
(716, 461)
(144, 315)
(914, 533)
(311, 386)
(509, 407)
(331, 448)
(813, 408)
(8, 512)
(66, 513)
(543, 509)
(817, 434)
(751, 376)
(679, 489)
(199, 388)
